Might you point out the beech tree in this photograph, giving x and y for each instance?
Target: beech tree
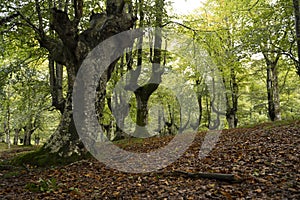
(143, 93)
(68, 45)
(219, 35)
(271, 35)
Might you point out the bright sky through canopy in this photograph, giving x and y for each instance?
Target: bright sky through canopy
(186, 6)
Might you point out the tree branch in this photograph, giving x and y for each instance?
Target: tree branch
(64, 27)
(55, 48)
(217, 176)
(38, 10)
(78, 7)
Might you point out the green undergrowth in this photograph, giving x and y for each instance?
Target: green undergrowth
(4, 147)
(280, 123)
(268, 125)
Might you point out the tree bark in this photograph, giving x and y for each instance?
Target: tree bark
(56, 85)
(27, 137)
(231, 113)
(7, 134)
(199, 100)
(16, 136)
(142, 95)
(297, 27)
(273, 89)
(70, 49)
(65, 140)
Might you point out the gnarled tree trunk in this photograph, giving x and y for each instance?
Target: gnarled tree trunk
(69, 50)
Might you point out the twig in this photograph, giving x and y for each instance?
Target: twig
(217, 176)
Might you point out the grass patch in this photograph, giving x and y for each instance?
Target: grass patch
(270, 124)
(4, 147)
(48, 185)
(11, 174)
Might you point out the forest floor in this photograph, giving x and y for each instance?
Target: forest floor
(266, 158)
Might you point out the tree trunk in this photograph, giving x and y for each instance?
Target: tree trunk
(273, 90)
(70, 49)
(27, 138)
(16, 136)
(199, 100)
(231, 118)
(271, 106)
(232, 107)
(121, 110)
(65, 140)
(208, 109)
(276, 94)
(142, 96)
(28, 131)
(7, 133)
(297, 27)
(56, 84)
(7, 125)
(143, 93)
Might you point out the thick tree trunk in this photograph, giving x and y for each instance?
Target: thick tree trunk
(231, 119)
(70, 50)
(142, 95)
(65, 140)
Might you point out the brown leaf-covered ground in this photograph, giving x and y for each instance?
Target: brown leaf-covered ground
(266, 157)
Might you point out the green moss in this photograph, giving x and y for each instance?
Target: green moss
(43, 158)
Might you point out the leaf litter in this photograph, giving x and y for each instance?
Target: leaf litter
(265, 157)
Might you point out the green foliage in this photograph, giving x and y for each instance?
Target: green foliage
(235, 33)
(48, 185)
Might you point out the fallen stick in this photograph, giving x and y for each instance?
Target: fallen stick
(217, 176)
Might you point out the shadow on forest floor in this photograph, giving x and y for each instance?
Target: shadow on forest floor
(266, 157)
